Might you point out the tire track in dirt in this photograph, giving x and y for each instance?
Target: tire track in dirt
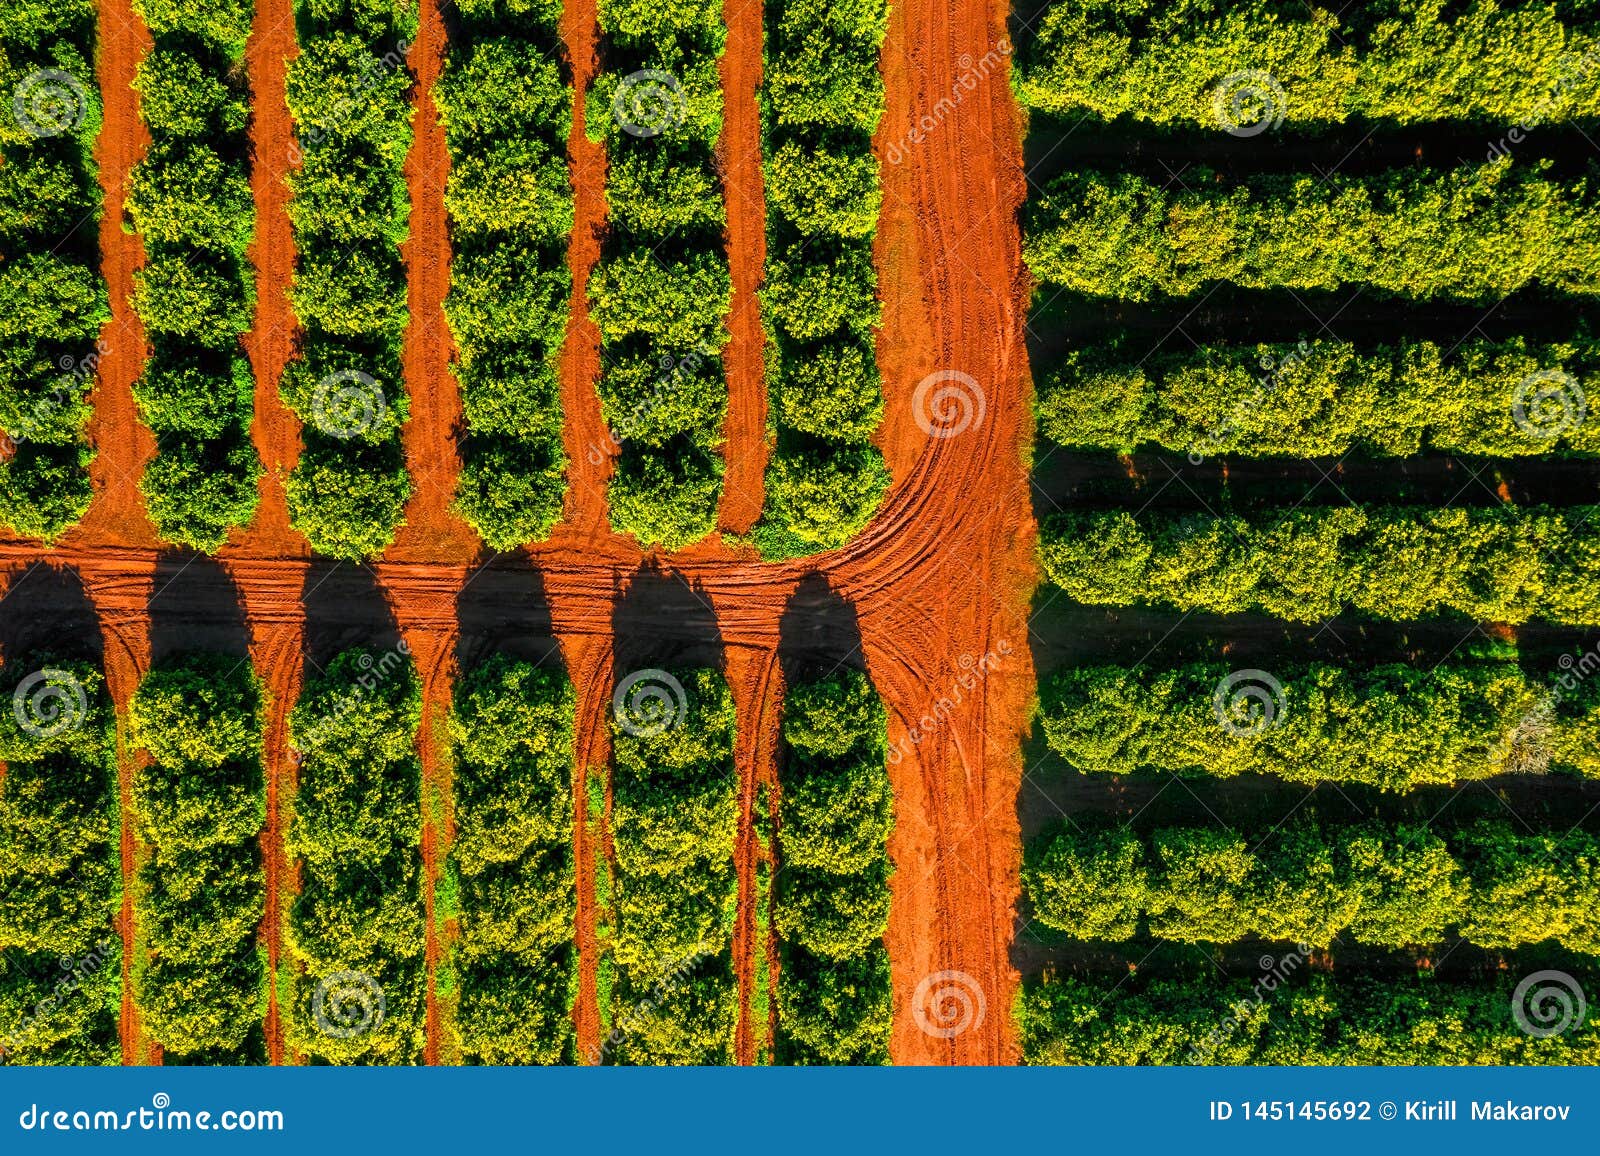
(754, 676)
(121, 600)
(739, 161)
(590, 449)
(431, 529)
(274, 430)
(426, 616)
(589, 664)
(123, 445)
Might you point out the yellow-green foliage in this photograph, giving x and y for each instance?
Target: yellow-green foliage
(1395, 886)
(512, 737)
(675, 810)
(1474, 233)
(60, 953)
(830, 899)
(357, 926)
(1410, 62)
(53, 300)
(1497, 564)
(1324, 398)
(507, 114)
(1395, 727)
(1308, 1020)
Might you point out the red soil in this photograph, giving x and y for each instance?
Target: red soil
(589, 662)
(275, 431)
(432, 530)
(739, 158)
(277, 627)
(121, 596)
(589, 446)
(955, 297)
(123, 447)
(940, 579)
(756, 681)
(426, 615)
(271, 596)
(122, 443)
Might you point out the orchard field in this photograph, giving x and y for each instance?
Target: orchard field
(470, 514)
(1312, 336)
(798, 532)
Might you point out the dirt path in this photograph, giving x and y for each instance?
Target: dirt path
(276, 637)
(121, 599)
(753, 674)
(955, 298)
(739, 159)
(272, 595)
(426, 615)
(275, 431)
(432, 530)
(122, 443)
(589, 446)
(589, 663)
(123, 447)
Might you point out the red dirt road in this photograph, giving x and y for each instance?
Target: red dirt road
(275, 431)
(739, 158)
(590, 449)
(272, 603)
(431, 528)
(955, 298)
(122, 444)
(123, 447)
(757, 683)
(589, 663)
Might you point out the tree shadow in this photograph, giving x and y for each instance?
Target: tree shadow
(660, 620)
(45, 608)
(196, 607)
(819, 633)
(345, 609)
(503, 609)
